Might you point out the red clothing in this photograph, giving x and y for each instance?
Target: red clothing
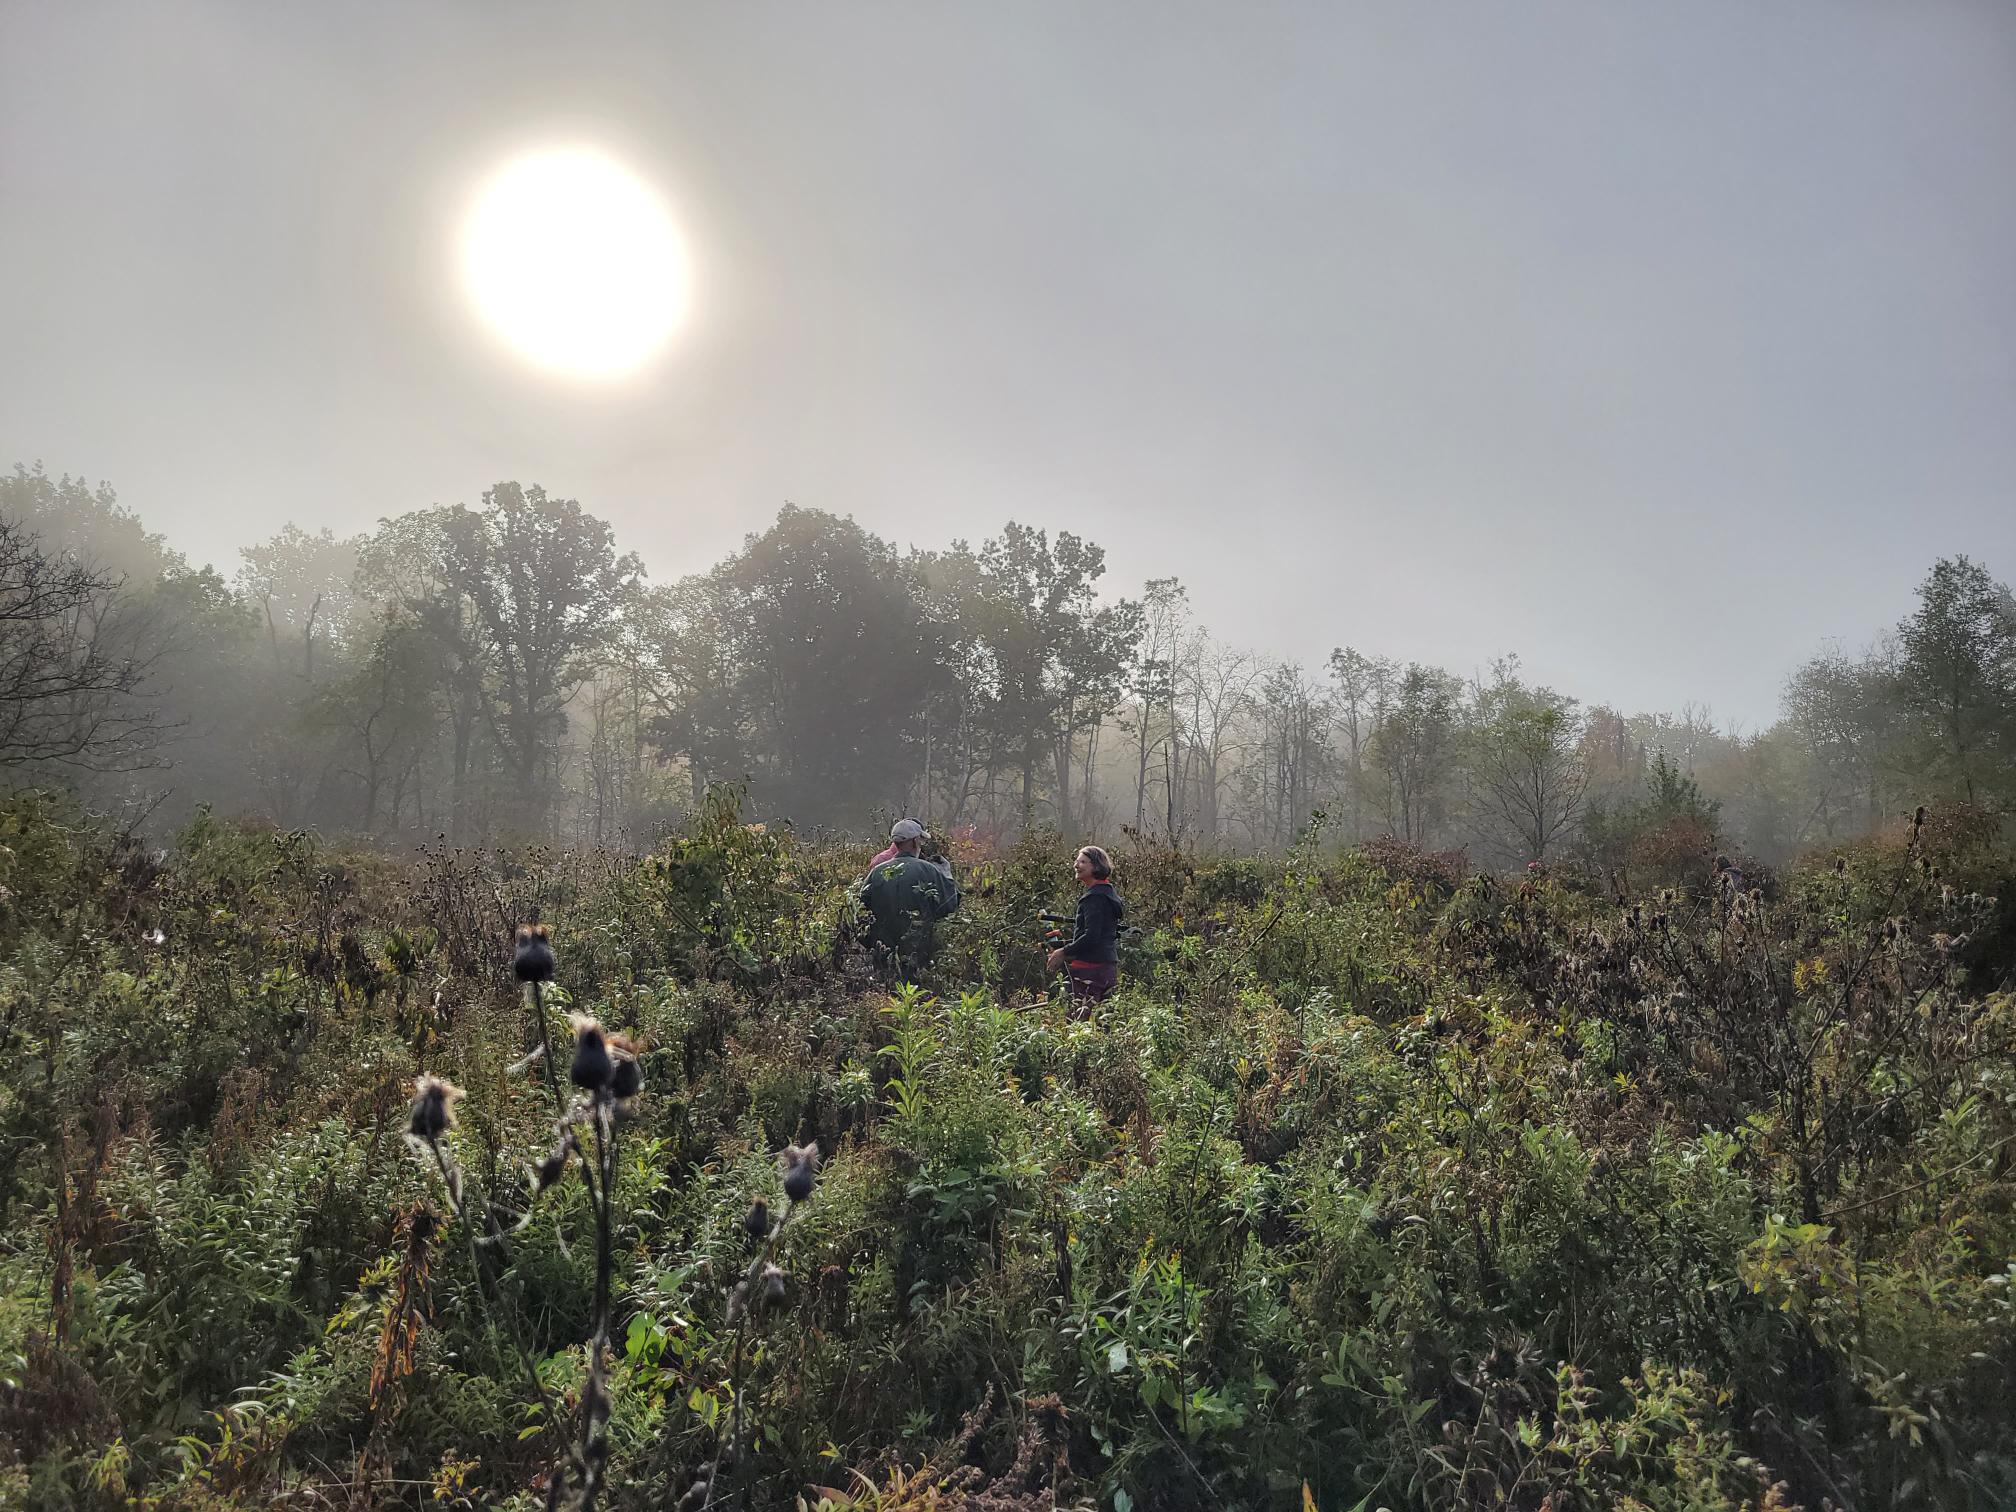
(887, 855)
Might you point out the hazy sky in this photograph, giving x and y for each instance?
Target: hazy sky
(1657, 343)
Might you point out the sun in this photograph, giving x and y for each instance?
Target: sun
(573, 260)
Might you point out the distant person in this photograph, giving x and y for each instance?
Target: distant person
(901, 830)
(907, 895)
(1090, 959)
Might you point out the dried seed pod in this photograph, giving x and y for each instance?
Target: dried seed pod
(592, 1067)
(551, 1169)
(433, 1108)
(532, 959)
(626, 1079)
(800, 1165)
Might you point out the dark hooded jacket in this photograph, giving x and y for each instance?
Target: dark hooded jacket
(1097, 941)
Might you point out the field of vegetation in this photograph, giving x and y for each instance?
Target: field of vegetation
(1378, 1183)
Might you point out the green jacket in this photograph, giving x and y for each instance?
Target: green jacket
(907, 895)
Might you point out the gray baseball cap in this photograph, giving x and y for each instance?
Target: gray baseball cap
(906, 829)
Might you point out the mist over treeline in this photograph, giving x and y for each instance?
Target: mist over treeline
(506, 672)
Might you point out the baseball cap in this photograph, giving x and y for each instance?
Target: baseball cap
(906, 829)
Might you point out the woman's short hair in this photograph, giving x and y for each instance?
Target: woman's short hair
(1102, 864)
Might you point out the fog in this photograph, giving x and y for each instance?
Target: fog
(1654, 347)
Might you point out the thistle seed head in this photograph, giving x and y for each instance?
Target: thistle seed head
(592, 1067)
(433, 1111)
(551, 1169)
(800, 1165)
(532, 958)
(626, 1078)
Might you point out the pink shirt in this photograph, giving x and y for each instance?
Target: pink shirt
(887, 855)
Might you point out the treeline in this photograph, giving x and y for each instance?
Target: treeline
(507, 672)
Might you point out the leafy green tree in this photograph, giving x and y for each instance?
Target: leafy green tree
(519, 596)
(301, 585)
(1044, 659)
(73, 519)
(1417, 749)
(383, 715)
(1528, 773)
(818, 661)
(543, 581)
(1956, 681)
(1843, 712)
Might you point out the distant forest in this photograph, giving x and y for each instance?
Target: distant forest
(505, 672)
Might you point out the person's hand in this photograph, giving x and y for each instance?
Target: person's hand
(1056, 960)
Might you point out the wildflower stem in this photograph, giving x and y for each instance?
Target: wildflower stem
(546, 1046)
(451, 1179)
(595, 1404)
(752, 1305)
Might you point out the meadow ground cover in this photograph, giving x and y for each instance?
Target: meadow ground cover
(1377, 1184)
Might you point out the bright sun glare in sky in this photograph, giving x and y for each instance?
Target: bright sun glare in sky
(575, 261)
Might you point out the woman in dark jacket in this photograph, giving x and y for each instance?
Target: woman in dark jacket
(1091, 961)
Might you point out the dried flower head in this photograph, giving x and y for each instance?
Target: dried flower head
(592, 1067)
(773, 1285)
(626, 1078)
(800, 1165)
(551, 1169)
(532, 959)
(433, 1108)
(756, 1222)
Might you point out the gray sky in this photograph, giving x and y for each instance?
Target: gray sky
(1657, 343)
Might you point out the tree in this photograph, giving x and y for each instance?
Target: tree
(519, 596)
(1215, 685)
(1416, 748)
(384, 712)
(70, 666)
(1527, 766)
(301, 584)
(1956, 681)
(89, 525)
(826, 660)
(1364, 696)
(1843, 713)
(1294, 716)
(1165, 607)
(1043, 662)
(1663, 835)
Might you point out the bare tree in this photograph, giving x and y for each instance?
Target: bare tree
(1165, 607)
(73, 656)
(1364, 695)
(1215, 684)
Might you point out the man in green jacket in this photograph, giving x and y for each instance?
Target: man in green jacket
(907, 895)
